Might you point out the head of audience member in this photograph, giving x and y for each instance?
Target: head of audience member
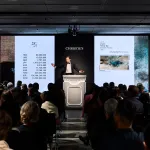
(36, 87)
(90, 88)
(50, 86)
(30, 86)
(7, 98)
(114, 93)
(44, 96)
(111, 85)
(124, 115)
(133, 91)
(5, 124)
(19, 83)
(110, 107)
(105, 85)
(124, 88)
(140, 87)
(68, 59)
(29, 113)
(10, 85)
(24, 87)
(144, 98)
(147, 137)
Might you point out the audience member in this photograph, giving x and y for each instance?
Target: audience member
(58, 99)
(114, 93)
(30, 137)
(124, 138)
(133, 92)
(110, 107)
(19, 84)
(36, 88)
(110, 113)
(111, 85)
(5, 126)
(48, 105)
(145, 99)
(10, 85)
(30, 85)
(141, 88)
(107, 127)
(106, 85)
(24, 87)
(50, 86)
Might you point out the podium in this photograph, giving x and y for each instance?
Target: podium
(74, 87)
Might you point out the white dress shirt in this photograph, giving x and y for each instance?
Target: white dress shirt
(68, 68)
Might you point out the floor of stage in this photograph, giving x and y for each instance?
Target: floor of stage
(70, 131)
(73, 113)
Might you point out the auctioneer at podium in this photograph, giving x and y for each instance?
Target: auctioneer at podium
(74, 86)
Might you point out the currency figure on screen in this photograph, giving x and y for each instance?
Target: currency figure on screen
(68, 67)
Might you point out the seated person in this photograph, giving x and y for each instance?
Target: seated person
(5, 126)
(48, 105)
(133, 92)
(30, 137)
(109, 125)
(124, 138)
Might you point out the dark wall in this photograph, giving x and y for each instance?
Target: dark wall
(83, 58)
(7, 73)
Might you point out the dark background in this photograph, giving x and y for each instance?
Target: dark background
(6, 71)
(84, 59)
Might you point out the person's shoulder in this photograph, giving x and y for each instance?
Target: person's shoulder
(23, 128)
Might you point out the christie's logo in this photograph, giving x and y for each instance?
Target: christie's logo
(104, 46)
(74, 48)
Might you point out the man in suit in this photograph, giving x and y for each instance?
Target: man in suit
(68, 67)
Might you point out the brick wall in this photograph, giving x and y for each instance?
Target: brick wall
(7, 51)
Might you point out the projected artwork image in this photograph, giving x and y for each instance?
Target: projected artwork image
(114, 62)
(141, 60)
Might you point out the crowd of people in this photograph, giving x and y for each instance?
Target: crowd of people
(116, 117)
(28, 118)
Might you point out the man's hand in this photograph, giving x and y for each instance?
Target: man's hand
(81, 71)
(53, 64)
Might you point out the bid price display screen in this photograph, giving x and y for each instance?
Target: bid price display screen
(33, 58)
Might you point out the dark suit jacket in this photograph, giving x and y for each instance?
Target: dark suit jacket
(73, 67)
